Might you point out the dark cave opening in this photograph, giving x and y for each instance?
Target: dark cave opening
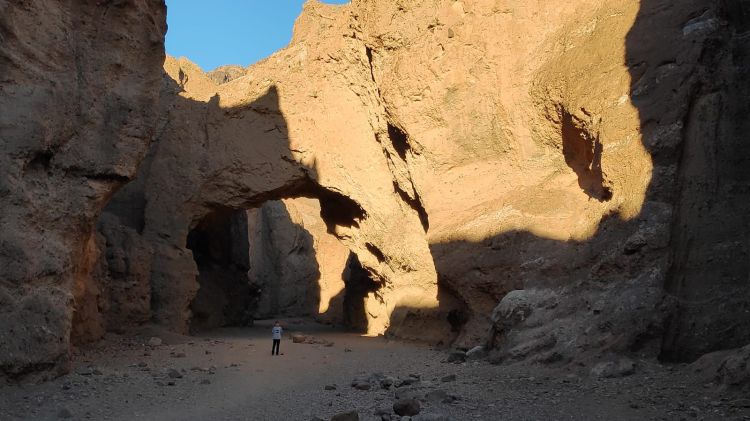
(337, 209)
(583, 154)
(219, 243)
(261, 263)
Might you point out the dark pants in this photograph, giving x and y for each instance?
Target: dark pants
(275, 347)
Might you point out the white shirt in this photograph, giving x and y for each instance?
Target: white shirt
(276, 332)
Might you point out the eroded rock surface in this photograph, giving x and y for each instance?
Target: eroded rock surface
(240, 144)
(228, 73)
(554, 184)
(78, 86)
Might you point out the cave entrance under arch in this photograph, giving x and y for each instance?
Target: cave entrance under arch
(273, 261)
(220, 247)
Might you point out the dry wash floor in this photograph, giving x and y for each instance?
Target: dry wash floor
(230, 375)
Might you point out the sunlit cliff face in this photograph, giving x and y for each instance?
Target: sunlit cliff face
(529, 128)
(483, 136)
(584, 156)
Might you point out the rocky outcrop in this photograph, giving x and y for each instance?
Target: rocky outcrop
(224, 74)
(728, 368)
(568, 186)
(559, 161)
(240, 144)
(78, 88)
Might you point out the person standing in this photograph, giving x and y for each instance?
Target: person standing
(276, 332)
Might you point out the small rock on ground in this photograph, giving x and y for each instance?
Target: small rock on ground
(476, 353)
(407, 407)
(436, 396)
(457, 357)
(346, 416)
(611, 369)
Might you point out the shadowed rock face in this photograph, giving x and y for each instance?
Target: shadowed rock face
(219, 243)
(710, 241)
(78, 85)
(566, 184)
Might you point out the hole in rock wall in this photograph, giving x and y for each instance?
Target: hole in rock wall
(220, 248)
(41, 161)
(284, 269)
(337, 209)
(278, 261)
(583, 154)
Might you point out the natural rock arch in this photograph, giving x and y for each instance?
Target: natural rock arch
(409, 114)
(238, 145)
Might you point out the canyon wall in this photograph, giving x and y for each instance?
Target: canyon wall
(255, 139)
(558, 184)
(563, 159)
(78, 85)
(710, 243)
(548, 159)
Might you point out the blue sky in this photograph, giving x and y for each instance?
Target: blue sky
(216, 32)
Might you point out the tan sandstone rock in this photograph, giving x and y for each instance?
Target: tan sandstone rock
(541, 157)
(555, 182)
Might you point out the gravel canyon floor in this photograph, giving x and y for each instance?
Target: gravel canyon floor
(229, 374)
